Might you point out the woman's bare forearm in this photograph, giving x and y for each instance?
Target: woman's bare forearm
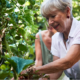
(54, 66)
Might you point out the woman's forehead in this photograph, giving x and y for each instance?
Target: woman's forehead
(52, 13)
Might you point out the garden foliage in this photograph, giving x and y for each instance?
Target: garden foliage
(20, 20)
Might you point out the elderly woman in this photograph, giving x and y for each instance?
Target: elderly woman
(66, 43)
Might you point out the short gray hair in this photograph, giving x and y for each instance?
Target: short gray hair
(51, 5)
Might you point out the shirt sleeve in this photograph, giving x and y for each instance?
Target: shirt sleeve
(54, 47)
(77, 38)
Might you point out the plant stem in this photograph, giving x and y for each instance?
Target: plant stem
(15, 75)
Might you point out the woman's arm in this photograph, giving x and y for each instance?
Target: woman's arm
(57, 74)
(38, 53)
(39, 58)
(68, 61)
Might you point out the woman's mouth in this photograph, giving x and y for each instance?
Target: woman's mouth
(55, 27)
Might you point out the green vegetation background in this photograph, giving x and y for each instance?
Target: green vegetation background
(20, 20)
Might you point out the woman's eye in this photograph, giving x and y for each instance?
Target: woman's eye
(53, 16)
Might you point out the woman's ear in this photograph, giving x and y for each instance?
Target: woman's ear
(68, 12)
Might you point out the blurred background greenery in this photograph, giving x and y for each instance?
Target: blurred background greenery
(20, 20)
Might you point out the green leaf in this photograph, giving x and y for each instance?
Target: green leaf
(9, 10)
(28, 16)
(14, 50)
(4, 74)
(7, 55)
(32, 2)
(31, 50)
(21, 7)
(12, 62)
(8, 5)
(22, 47)
(3, 67)
(21, 31)
(32, 36)
(21, 2)
(3, 2)
(21, 63)
(18, 37)
(7, 47)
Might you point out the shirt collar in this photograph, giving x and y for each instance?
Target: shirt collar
(73, 28)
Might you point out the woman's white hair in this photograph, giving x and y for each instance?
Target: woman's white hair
(51, 5)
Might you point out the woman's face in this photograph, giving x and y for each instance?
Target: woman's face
(58, 20)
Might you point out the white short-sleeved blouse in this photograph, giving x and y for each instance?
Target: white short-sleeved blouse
(58, 48)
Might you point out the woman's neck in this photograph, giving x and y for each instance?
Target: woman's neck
(66, 33)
